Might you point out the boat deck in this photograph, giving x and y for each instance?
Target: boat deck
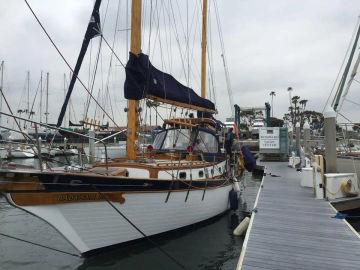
(293, 230)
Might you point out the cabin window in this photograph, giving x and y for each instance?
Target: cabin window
(201, 174)
(177, 139)
(159, 139)
(182, 175)
(206, 142)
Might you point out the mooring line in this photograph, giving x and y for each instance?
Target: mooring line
(40, 245)
(138, 229)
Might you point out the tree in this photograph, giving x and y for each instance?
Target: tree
(247, 117)
(303, 103)
(276, 122)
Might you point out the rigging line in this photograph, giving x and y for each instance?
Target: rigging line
(177, 38)
(169, 37)
(211, 62)
(353, 102)
(187, 44)
(150, 27)
(104, 196)
(22, 93)
(341, 67)
(158, 36)
(111, 56)
(93, 80)
(104, 103)
(346, 118)
(356, 80)
(166, 30)
(34, 100)
(95, 111)
(26, 137)
(66, 62)
(90, 57)
(196, 28)
(226, 69)
(99, 54)
(112, 50)
(39, 245)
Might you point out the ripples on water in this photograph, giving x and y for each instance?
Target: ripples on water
(209, 245)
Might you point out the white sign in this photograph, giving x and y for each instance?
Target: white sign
(269, 138)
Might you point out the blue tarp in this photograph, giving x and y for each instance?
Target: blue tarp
(249, 160)
(143, 79)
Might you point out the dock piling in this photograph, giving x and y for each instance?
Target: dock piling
(330, 140)
(306, 128)
(297, 135)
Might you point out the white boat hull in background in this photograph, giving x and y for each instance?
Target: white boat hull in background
(19, 153)
(93, 225)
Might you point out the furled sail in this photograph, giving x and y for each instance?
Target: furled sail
(92, 30)
(143, 80)
(71, 124)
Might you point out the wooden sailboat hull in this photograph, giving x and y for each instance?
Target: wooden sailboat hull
(93, 225)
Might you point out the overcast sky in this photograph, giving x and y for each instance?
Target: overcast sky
(270, 45)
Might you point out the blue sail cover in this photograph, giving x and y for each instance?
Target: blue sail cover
(143, 79)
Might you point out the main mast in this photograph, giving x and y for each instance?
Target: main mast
(203, 49)
(135, 48)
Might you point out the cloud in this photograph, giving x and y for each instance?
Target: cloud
(270, 45)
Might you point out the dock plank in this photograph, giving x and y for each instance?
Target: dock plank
(293, 230)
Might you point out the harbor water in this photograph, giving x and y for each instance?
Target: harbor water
(208, 245)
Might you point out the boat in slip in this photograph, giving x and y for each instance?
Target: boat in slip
(182, 178)
(178, 182)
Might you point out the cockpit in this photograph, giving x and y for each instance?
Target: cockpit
(179, 139)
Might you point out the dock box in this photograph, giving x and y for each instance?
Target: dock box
(333, 183)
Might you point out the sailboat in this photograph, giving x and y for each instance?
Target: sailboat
(183, 178)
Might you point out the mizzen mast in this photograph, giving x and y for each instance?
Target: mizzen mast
(203, 49)
(135, 48)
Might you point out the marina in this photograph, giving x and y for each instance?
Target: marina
(158, 134)
(291, 229)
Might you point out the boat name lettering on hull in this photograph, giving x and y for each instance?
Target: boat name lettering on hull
(79, 197)
(41, 198)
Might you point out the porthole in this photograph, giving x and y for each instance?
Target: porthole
(182, 175)
(201, 174)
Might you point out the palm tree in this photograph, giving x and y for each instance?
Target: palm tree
(303, 103)
(290, 91)
(272, 94)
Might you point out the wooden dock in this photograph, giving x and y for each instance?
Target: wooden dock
(293, 230)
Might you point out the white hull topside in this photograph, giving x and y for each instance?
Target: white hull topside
(93, 225)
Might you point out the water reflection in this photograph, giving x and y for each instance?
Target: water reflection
(209, 245)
